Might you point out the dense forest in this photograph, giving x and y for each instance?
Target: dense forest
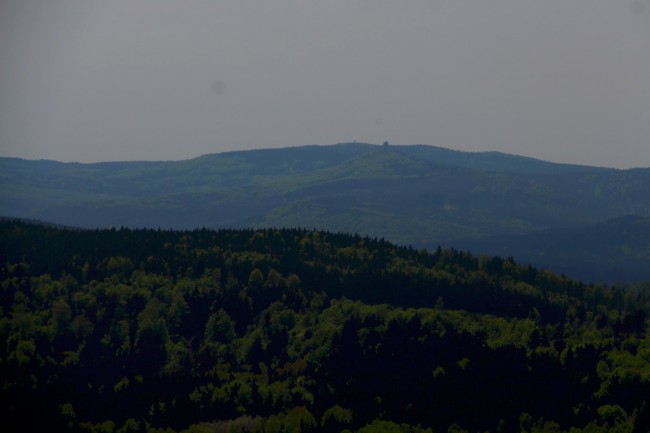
(289, 330)
(613, 251)
(409, 194)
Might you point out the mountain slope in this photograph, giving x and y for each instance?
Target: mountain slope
(309, 185)
(306, 331)
(420, 195)
(614, 251)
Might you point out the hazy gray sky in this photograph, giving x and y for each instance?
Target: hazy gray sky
(562, 80)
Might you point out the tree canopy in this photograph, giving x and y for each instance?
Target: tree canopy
(282, 330)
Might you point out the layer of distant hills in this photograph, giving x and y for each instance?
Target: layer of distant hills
(591, 223)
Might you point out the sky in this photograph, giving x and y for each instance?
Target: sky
(95, 80)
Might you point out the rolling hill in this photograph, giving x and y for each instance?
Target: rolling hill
(614, 251)
(288, 330)
(420, 195)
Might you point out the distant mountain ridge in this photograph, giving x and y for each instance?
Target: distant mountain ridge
(616, 250)
(418, 194)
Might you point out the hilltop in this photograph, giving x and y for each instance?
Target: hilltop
(419, 195)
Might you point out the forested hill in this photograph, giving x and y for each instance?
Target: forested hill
(613, 251)
(419, 195)
(281, 330)
(404, 193)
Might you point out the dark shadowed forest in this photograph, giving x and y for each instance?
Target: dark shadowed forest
(306, 331)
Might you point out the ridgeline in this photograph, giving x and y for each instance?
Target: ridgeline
(423, 196)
